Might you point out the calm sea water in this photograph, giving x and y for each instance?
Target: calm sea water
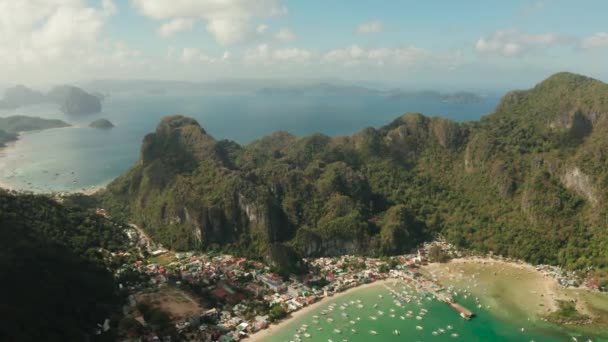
(72, 158)
(484, 327)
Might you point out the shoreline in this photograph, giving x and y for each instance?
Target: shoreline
(261, 335)
(542, 287)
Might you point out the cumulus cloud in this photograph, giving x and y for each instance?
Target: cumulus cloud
(174, 26)
(285, 35)
(228, 21)
(42, 32)
(511, 43)
(596, 40)
(373, 26)
(355, 55)
(264, 54)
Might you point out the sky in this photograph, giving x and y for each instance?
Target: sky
(466, 44)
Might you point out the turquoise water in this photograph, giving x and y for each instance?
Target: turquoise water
(483, 327)
(72, 158)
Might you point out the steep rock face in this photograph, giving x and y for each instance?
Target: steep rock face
(580, 182)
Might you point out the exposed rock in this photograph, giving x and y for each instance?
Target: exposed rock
(578, 181)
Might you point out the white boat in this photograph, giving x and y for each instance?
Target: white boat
(373, 332)
(418, 317)
(419, 327)
(373, 318)
(337, 331)
(454, 335)
(396, 332)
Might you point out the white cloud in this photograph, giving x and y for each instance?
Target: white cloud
(228, 21)
(192, 55)
(511, 43)
(373, 26)
(174, 26)
(41, 32)
(261, 29)
(264, 54)
(596, 40)
(355, 55)
(285, 35)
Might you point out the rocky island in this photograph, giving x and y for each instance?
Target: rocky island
(75, 101)
(101, 124)
(71, 100)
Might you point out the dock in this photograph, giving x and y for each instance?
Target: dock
(426, 285)
(462, 311)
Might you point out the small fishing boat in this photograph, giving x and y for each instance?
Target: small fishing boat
(373, 332)
(419, 327)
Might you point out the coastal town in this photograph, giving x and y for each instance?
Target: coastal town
(215, 297)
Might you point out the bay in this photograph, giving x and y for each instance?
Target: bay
(348, 315)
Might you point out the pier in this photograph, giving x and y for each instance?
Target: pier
(426, 285)
(462, 311)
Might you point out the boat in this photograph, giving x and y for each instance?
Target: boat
(307, 335)
(373, 318)
(396, 332)
(454, 335)
(449, 327)
(354, 331)
(337, 331)
(419, 327)
(418, 317)
(373, 332)
(434, 333)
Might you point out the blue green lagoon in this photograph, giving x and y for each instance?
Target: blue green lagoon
(374, 314)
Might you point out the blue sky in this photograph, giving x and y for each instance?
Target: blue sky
(449, 44)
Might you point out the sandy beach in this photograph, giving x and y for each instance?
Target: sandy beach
(262, 335)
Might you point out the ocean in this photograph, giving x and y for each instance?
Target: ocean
(70, 159)
(348, 315)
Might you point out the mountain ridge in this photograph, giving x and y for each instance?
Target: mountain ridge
(498, 184)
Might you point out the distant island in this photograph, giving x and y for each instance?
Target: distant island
(101, 123)
(12, 125)
(461, 97)
(71, 100)
(328, 89)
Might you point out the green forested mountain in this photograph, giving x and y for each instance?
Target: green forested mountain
(55, 283)
(526, 181)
